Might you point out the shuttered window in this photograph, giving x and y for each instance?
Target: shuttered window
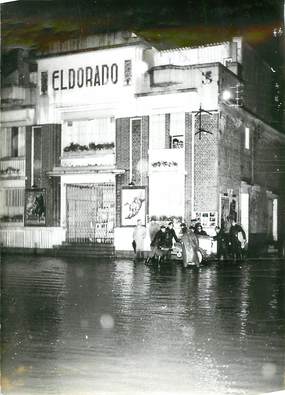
(12, 205)
(14, 197)
(12, 142)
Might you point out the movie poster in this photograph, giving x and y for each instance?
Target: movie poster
(133, 205)
(35, 207)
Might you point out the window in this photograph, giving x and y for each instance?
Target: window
(157, 131)
(36, 156)
(14, 197)
(177, 130)
(14, 141)
(128, 72)
(44, 82)
(177, 141)
(246, 138)
(11, 205)
(84, 132)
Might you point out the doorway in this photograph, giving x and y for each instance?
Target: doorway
(90, 214)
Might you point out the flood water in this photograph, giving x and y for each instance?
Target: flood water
(80, 327)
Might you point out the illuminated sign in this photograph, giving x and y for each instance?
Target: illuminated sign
(84, 77)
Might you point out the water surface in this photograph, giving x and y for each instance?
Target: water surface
(80, 327)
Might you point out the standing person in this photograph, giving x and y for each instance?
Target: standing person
(170, 235)
(237, 239)
(199, 230)
(190, 247)
(159, 245)
(222, 243)
(139, 235)
(153, 229)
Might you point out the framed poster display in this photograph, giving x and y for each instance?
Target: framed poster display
(133, 205)
(35, 207)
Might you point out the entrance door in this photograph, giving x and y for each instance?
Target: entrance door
(90, 213)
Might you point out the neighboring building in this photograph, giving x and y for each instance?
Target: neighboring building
(18, 82)
(123, 131)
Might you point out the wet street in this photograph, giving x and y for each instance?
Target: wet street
(80, 327)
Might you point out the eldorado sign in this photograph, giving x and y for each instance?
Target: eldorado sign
(85, 77)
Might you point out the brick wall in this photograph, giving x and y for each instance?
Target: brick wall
(267, 157)
(145, 148)
(122, 160)
(258, 166)
(51, 150)
(206, 164)
(28, 146)
(140, 145)
(269, 173)
(229, 140)
(123, 143)
(188, 166)
(136, 150)
(167, 130)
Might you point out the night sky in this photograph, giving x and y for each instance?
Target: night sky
(166, 23)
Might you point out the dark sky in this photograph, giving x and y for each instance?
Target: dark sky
(166, 23)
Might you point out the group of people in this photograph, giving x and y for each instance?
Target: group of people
(161, 241)
(229, 245)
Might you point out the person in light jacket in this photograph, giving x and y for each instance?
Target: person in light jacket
(190, 247)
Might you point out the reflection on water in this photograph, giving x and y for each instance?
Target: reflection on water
(86, 327)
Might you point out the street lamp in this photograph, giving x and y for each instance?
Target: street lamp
(226, 95)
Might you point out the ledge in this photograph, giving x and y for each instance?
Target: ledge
(82, 154)
(11, 177)
(165, 92)
(60, 171)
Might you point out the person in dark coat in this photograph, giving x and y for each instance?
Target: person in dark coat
(222, 243)
(237, 239)
(159, 245)
(199, 230)
(170, 235)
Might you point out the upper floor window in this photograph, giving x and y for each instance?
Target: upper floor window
(12, 142)
(83, 135)
(44, 82)
(128, 72)
(177, 141)
(247, 138)
(177, 130)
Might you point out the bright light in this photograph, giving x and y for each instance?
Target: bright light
(226, 95)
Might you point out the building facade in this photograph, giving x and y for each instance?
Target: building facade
(119, 131)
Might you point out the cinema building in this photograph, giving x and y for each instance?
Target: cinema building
(109, 129)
